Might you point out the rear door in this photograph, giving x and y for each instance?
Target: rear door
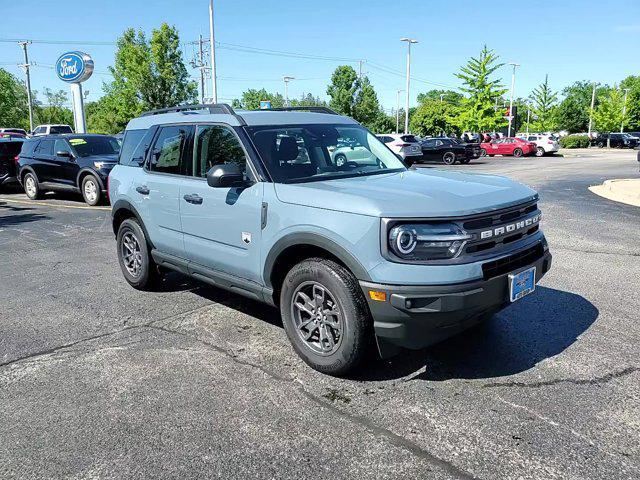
(428, 149)
(43, 164)
(158, 188)
(221, 226)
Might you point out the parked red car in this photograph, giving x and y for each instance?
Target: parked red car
(508, 146)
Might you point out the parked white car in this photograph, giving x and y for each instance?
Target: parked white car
(545, 144)
(405, 145)
(346, 152)
(51, 130)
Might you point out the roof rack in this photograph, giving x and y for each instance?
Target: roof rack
(303, 109)
(220, 108)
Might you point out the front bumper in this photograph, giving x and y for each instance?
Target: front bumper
(415, 317)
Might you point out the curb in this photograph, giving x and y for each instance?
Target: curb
(625, 191)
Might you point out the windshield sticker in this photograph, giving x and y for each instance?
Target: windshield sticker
(77, 141)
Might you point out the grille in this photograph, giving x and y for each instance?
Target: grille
(512, 262)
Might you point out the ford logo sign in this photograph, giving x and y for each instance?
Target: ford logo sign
(74, 67)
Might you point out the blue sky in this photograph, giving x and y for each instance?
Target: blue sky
(570, 40)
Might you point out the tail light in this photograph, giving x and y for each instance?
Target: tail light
(402, 145)
(550, 142)
(16, 158)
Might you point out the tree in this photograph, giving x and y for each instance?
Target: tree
(342, 90)
(308, 100)
(544, 106)
(433, 117)
(608, 116)
(54, 110)
(632, 82)
(446, 95)
(146, 75)
(478, 113)
(573, 112)
(14, 111)
(251, 99)
(366, 108)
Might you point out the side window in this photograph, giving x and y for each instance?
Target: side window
(39, 130)
(430, 143)
(45, 148)
(439, 143)
(167, 155)
(216, 145)
(61, 146)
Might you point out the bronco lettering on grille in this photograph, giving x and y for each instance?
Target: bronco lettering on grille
(511, 227)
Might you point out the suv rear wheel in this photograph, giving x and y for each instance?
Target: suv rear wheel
(325, 316)
(31, 188)
(134, 257)
(449, 158)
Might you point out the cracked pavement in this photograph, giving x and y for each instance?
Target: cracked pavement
(98, 380)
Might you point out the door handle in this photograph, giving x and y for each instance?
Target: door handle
(142, 190)
(194, 199)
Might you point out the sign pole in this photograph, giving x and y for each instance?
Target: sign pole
(78, 108)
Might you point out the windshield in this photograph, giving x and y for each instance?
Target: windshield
(302, 153)
(87, 146)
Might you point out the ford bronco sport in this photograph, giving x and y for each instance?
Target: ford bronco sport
(349, 251)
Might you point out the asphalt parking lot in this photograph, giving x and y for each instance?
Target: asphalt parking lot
(98, 380)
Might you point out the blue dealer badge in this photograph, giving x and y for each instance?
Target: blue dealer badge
(74, 67)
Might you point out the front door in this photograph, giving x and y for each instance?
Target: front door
(221, 226)
(64, 169)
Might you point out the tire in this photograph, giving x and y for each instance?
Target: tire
(340, 160)
(449, 158)
(31, 188)
(483, 152)
(540, 152)
(517, 152)
(91, 191)
(147, 274)
(350, 341)
(600, 144)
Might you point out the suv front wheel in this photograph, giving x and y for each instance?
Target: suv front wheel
(91, 190)
(134, 256)
(326, 316)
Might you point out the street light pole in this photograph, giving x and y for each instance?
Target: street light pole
(441, 96)
(513, 84)
(26, 66)
(593, 103)
(528, 118)
(286, 89)
(624, 109)
(212, 45)
(398, 110)
(406, 113)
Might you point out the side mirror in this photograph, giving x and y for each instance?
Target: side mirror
(64, 153)
(225, 175)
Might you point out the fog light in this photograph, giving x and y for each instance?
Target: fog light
(378, 296)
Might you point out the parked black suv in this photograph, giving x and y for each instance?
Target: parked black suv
(78, 163)
(9, 150)
(449, 150)
(617, 140)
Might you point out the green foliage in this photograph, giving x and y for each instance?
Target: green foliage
(447, 96)
(632, 82)
(54, 110)
(478, 113)
(574, 141)
(544, 108)
(251, 99)
(146, 75)
(573, 112)
(308, 100)
(14, 111)
(433, 117)
(607, 117)
(342, 90)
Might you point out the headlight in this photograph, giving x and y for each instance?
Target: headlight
(98, 165)
(427, 241)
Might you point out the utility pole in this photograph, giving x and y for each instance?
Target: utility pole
(528, 118)
(398, 110)
(624, 109)
(286, 79)
(513, 84)
(593, 103)
(26, 66)
(406, 113)
(212, 45)
(199, 64)
(441, 96)
(496, 107)
(360, 62)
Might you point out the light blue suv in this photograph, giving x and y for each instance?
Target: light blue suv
(355, 253)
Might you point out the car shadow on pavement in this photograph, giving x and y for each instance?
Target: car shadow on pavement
(12, 215)
(518, 338)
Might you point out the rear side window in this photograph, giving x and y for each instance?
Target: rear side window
(28, 147)
(134, 146)
(409, 138)
(168, 154)
(60, 129)
(44, 148)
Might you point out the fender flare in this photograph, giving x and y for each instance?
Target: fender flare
(121, 205)
(89, 171)
(316, 240)
(23, 171)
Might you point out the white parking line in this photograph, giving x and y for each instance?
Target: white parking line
(33, 202)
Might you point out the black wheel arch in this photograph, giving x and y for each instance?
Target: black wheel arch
(122, 210)
(88, 171)
(295, 247)
(23, 171)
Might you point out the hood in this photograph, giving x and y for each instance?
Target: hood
(112, 158)
(414, 193)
